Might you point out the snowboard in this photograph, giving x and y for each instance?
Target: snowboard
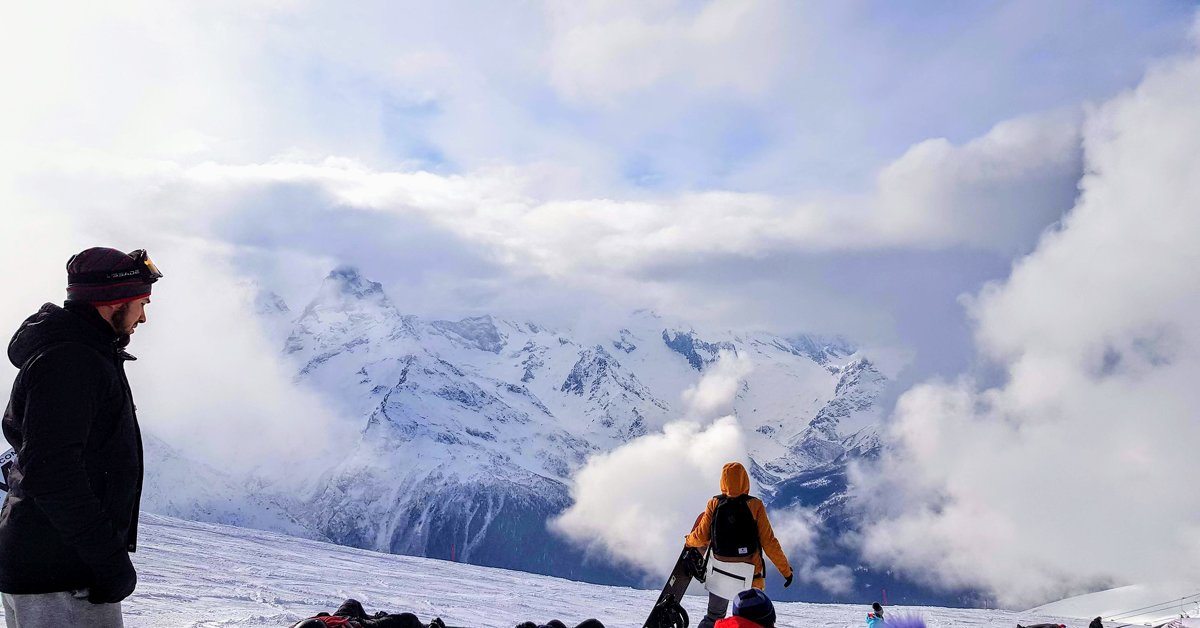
(668, 612)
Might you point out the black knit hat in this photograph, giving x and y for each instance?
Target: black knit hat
(103, 276)
(754, 605)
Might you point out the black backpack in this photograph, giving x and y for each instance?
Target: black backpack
(734, 530)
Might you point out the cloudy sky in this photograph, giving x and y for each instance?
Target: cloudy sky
(908, 175)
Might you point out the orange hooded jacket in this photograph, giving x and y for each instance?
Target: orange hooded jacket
(735, 481)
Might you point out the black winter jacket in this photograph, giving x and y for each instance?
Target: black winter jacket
(72, 508)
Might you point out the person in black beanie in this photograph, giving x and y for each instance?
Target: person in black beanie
(69, 521)
(751, 609)
(875, 617)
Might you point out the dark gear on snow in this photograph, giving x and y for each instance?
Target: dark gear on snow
(352, 615)
(554, 623)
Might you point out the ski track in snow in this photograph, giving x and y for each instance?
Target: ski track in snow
(199, 575)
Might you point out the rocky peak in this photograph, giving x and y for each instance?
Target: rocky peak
(479, 332)
(590, 371)
(269, 304)
(820, 349)
(348, 310)
(698, 352)
(345, 289)
(349, 282)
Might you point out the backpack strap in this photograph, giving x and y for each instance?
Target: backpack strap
(713, 521)
(762, 557)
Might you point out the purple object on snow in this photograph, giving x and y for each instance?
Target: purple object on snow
(904, 621)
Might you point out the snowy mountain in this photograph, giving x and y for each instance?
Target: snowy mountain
(199, 574)
(470, 430)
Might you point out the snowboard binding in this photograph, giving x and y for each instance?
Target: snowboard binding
(667, 611)
(668, 614)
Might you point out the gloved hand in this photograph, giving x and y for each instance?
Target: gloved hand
(115, 580)
(787, 582)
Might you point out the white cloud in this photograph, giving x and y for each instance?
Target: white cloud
(603, 52)
(133, 78)
(149, 93)
(713, 395)
(997, 191)
(1077, 470)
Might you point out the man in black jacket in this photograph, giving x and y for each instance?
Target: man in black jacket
(69, 521)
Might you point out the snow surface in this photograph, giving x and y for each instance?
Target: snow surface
(194, 575)
(1149, 604)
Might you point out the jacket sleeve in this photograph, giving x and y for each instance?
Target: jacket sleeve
(63, 397)
(770, 544)
(702, 530)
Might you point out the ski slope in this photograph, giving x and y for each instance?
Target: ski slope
(194, 575)
(1148, 604)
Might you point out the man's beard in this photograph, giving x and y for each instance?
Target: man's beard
(119, 322)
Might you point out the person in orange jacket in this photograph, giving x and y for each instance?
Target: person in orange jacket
(735, 489)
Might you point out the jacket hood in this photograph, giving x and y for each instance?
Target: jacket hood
(734, 480)
(52, 325)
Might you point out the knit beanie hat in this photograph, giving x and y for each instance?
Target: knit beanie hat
(754, 605)
(103, 276)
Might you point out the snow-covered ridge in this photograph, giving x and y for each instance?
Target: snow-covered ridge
(195, 575)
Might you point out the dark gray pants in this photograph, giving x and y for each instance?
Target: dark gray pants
(58, 610)
(717, 607)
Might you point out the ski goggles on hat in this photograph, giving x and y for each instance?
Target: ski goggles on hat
(145, 271)
(146, 264)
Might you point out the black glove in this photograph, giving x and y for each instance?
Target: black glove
(787, 582)
(115, 580)
(695, 563)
